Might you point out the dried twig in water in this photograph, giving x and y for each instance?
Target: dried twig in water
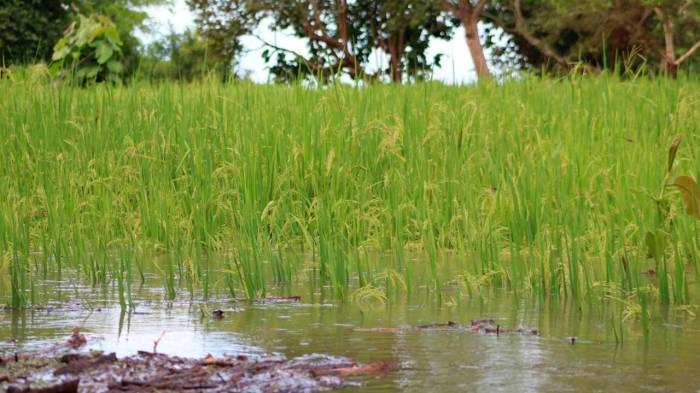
(157, 341)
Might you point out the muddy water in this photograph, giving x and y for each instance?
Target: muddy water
(439, 360)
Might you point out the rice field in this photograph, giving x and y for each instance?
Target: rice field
(554, 189)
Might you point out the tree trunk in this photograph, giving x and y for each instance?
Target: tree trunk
(669, 60)
(469, 14)
(396, 54)
(471, 33)
(670, 57)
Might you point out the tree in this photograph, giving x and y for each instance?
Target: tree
(30, 28)
(331, 30)
(221, 23)
(340, 34)
(403, 30)
(180, 56)
(679, 44)
(328, 26)
(556, 35)
(469, 15)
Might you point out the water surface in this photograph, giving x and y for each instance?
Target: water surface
(446, 361)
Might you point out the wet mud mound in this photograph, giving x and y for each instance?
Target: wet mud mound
(63, 369)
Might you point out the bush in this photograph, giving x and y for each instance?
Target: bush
(90, 51)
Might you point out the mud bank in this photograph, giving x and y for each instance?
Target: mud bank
(65, 368)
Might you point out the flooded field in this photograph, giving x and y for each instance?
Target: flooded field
(561, 346)
(359, 225)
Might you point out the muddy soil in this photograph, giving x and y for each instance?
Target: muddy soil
(64, 368)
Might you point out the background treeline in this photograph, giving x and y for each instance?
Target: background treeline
(343, 36)
(29, 29)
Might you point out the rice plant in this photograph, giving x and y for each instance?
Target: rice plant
(538, 186)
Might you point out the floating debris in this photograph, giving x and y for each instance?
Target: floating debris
(76, 339)
(534, 332)
(279, 299)
(448, 325)
(493, 330)
(481, 324)
(485, 326)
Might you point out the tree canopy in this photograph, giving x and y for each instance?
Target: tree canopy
(30, 28)
(551, 35)
(346, 37)
(556, 35)
(340, 34)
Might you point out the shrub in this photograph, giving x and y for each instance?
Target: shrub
(89, 51)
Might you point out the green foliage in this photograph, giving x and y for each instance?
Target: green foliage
(530, 185)
(128, 16)
(29, 28)
(186, 56)
(90, 50)
(403, 30)
(686, 185)
(221, 23)
(600, 34)
(37, 73)
(340, 34)
(663, 236)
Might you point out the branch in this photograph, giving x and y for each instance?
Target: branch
(374, 31)
(534, 41)
(464, 8)
(647, 13)
(312, 35)
(354, 70)
(670, 53)
(499, 22)
(685, 7)
(279, 48)
(689, 53)
(450, 6)
(319, 22)
(479, 7)
(298, 55)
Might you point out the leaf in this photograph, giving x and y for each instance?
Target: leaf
(60, 50)
(114, 78)
(113, 36)
(673, 150)
(104, 21)
(55, 68)
(93, 71)
(656, 244)
(88, 72)
(650, 241)
(115, 66)
(691, 194)
(69, 30)
(103, 52)
(97, 32)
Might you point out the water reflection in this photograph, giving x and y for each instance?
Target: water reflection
(446, 361)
